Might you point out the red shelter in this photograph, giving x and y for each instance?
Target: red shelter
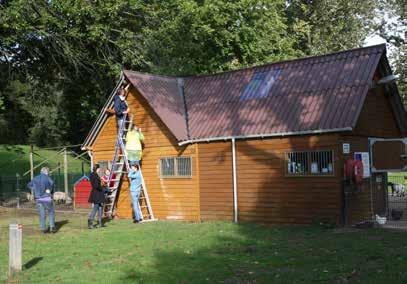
(82, 189)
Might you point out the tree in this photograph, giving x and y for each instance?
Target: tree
(61, 58)
(392, 26)
(193, 37)
(323, 26)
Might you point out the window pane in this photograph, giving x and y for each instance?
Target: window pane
(167, 167)
(184, 166)
(297, 163)
(310, 163)
(103, 165)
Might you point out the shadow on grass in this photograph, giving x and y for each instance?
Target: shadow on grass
(60, 224)
(32, 262)
(243, 257)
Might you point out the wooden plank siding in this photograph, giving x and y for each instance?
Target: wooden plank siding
(216, 185)
(267, 194)
(171, 198)
(376, 120)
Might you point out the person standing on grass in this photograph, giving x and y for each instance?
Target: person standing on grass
(97, 197)
(120, 107)
(135, 189)
(43, 188)
(133, 145)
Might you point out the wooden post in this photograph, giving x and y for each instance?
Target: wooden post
(18, 190)
(32, 165)
(68, 199)
(15, 248)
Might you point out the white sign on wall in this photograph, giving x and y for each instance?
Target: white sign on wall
(345, 148)
(365, 158)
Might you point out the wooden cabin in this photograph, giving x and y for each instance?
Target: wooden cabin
(265, 144)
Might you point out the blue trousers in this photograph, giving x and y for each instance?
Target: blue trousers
(42, 208)
(97, 207)
(135, 194)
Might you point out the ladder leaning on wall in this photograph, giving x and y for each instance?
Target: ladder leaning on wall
(121, 166)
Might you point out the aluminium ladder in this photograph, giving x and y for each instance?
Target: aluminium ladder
(120, 166)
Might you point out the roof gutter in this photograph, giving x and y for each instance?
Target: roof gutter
(280, 134)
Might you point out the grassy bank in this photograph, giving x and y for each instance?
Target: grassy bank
(218, 252)
(15, 159)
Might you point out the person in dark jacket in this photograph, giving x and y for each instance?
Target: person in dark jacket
(120, 107)
(42, 187)
(96, 197)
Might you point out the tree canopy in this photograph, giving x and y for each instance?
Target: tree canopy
(60, 59)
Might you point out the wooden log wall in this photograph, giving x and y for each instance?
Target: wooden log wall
(171, 198)
(265, 192)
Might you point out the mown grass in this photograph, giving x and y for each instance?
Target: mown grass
(212, 252)
(15, 159)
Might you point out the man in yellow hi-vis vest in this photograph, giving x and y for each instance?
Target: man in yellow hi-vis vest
(133, 145)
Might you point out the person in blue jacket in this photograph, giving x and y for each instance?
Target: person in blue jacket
(120, 107)
(135, 189)
(42, 187)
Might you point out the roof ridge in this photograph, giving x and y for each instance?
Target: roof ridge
(151, 74)
(382, 45)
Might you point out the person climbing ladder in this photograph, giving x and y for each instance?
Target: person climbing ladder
(120, 106)
(133, 145)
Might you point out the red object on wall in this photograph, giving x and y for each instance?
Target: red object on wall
(82, 190)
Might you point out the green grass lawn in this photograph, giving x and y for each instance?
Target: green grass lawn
(213, 252)
(15, 159)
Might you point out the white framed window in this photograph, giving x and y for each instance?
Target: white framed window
(175, 167)
(103, 165)
(310, 163)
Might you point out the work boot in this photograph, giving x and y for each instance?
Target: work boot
(90, 224)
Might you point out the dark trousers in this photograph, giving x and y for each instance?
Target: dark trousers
(97, 207)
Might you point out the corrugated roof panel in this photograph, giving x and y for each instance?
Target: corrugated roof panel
(162, 94)
(316, 93)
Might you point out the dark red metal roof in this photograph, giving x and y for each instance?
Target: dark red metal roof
(162, 93)
(322, 93)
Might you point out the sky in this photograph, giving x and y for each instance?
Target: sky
(373, 40)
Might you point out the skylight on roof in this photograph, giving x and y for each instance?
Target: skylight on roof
(260, 84)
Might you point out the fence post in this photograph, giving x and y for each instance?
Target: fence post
(18, 190)
(15, 248)
(68, 199)
(32, 165)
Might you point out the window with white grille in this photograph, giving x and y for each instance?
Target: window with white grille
(103, 165)
(310, 163)
(176, 167)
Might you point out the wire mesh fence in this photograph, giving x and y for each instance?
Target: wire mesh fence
(397, 198)
(15, 193)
